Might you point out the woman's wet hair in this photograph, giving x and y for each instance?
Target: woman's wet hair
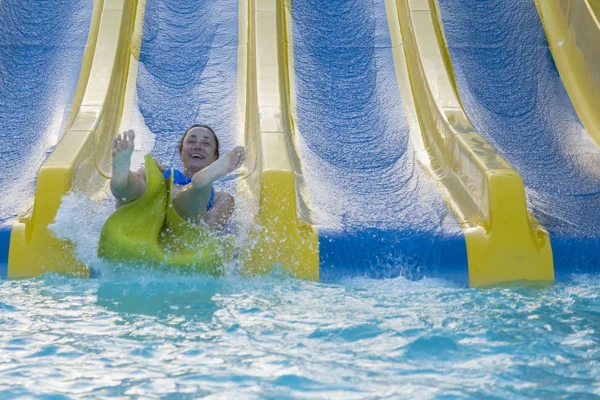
(200, 126)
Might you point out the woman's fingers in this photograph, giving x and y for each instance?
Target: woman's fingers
(162, 167)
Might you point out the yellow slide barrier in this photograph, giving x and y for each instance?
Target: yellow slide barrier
(573, 31)
(283, 236)
(83, 153)
(504, 243)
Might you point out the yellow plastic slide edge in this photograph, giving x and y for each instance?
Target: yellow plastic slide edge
(83, 153)
(504, 243)
(281, 237)
(573, 31)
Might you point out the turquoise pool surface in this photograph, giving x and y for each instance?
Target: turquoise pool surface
(143, 334)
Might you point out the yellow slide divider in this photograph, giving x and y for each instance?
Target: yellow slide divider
(504, 243)
(573, 31)
(283, 236)
(83, 153)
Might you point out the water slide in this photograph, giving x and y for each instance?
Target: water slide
(514, 95)
(41, 49)
(80, 161)
(376, 209)
(187, 73)
(361, 158)
(372, 192)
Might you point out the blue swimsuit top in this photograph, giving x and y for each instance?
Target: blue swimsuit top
(180, 179)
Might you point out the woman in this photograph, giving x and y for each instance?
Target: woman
(193, 195)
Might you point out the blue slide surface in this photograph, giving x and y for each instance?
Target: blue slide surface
(188, 72)
(514, 96)
(377, 212)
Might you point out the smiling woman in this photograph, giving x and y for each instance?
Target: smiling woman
(193, 196)
(206, 135)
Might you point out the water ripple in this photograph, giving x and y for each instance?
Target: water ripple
(280, 337)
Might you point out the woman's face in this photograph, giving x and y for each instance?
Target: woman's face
(199, 148)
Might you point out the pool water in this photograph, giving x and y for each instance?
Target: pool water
(136, 332)
(141, 333)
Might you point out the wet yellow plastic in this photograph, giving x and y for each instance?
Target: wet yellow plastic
(84, 150)
(149, 231)
(573, 31)
(504, 242)
(281, 236)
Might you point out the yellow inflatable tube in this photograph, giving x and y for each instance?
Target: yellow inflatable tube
(149, 230)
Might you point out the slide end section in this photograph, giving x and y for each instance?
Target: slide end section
(280, 237)
(34, 250)
(514, 246)
(83, 153)
(504, 241)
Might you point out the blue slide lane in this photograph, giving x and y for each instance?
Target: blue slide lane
(378, 213)
(188, 71)
(514, 96)
(41, 46)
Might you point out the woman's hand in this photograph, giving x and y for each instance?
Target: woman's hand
(122, 150)
(125, 185)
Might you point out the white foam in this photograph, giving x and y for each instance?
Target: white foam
(80, 220)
